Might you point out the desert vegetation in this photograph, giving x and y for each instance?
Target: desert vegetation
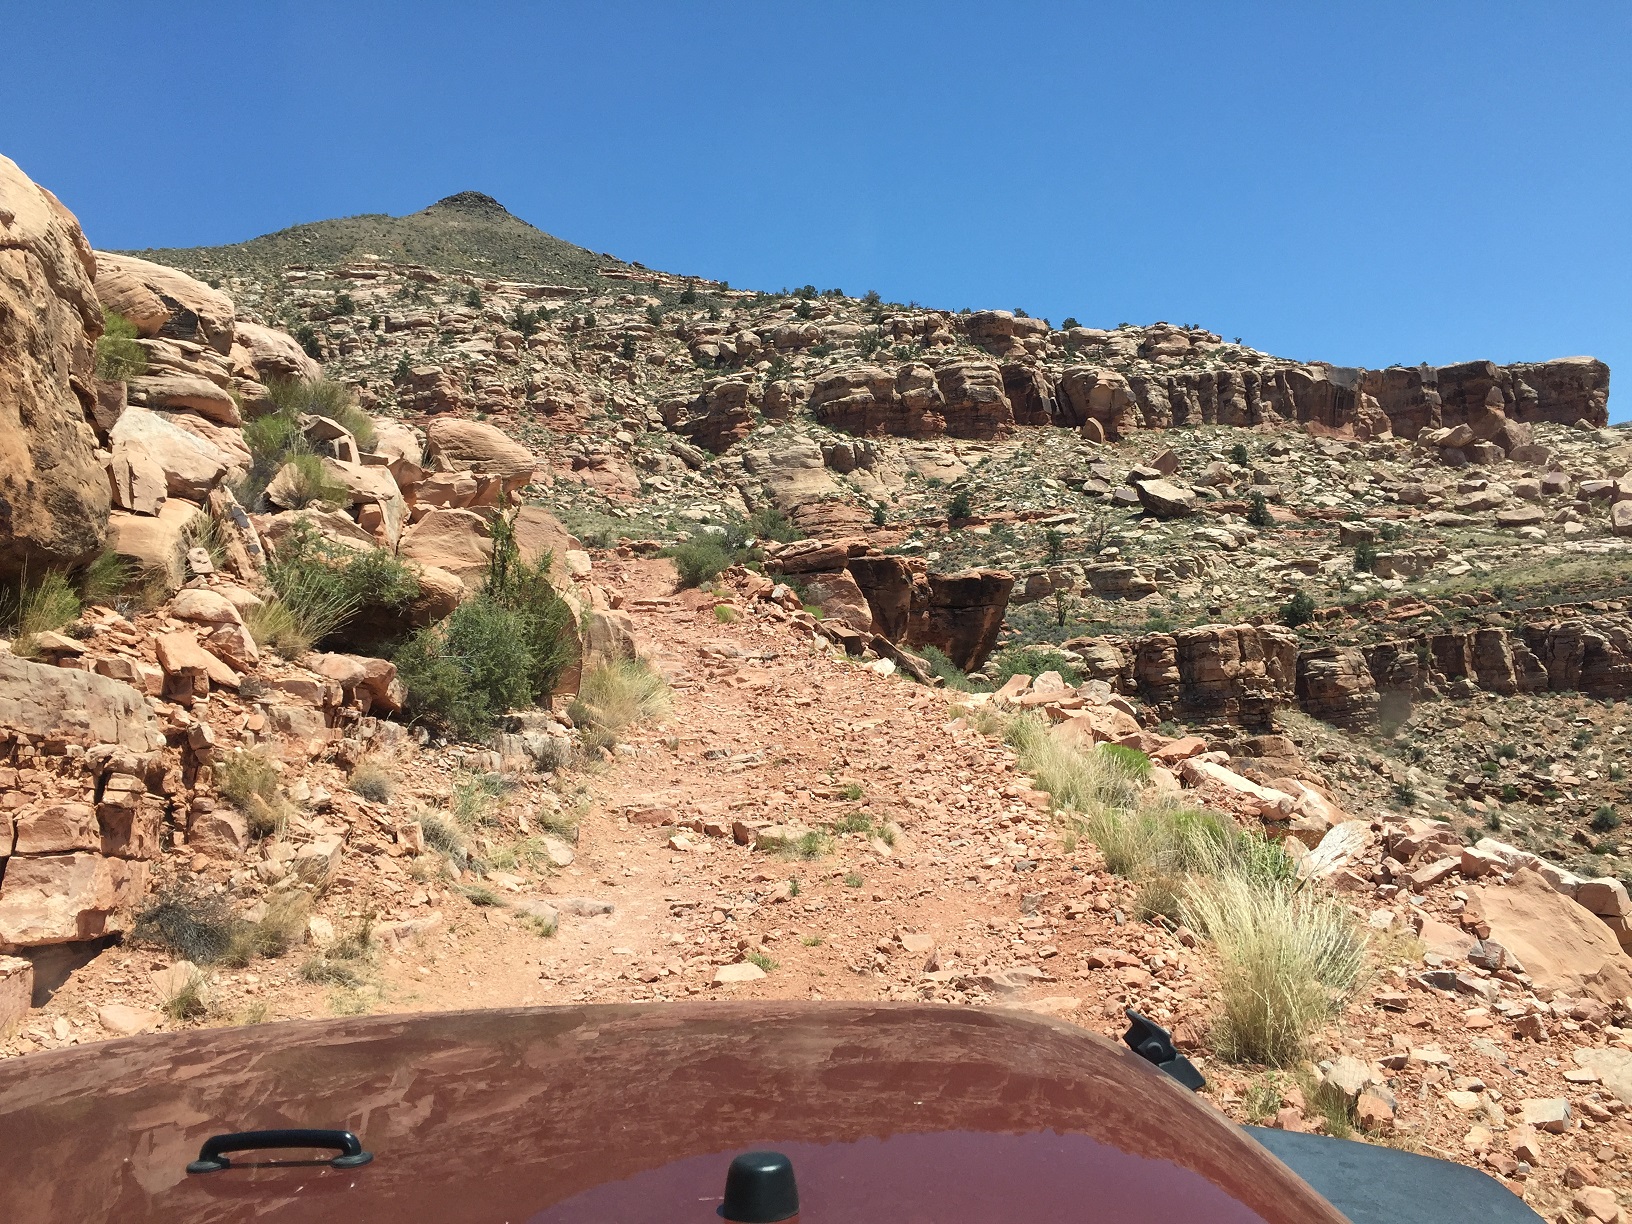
(1289, 955)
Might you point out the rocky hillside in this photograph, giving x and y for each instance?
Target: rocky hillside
(953, 597)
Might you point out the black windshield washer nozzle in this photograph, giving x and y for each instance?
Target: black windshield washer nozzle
(1154, 1044)
(759, 1189)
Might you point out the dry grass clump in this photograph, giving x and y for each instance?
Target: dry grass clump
(1289, 959)
(338, 963)
(42, 606)
(614, 695)
(372, 781)
(1107, 776)
(1290, 955)
(200, 926)
(249, 781)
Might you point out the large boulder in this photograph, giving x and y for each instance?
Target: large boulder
(1165, 499)
(975, 403)
(368, 485)
(1561, 945)
(163, 301)
(960, 614)
(539, 532)
(65, 898)
(39, 700)
(146, 442)
(275, 356)
(155, 545)
(717, 419)
(840, 599)
(187, 392)
(54, 495)
(471, 446)
(456, 541)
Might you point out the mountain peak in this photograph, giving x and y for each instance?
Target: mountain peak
(472, 202)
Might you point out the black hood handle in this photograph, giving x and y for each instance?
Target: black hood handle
(212, 1156)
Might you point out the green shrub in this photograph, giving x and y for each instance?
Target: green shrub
(960, 507)
(305, 483)
(1239, 455)
(950, 673)
(118, 356)
(1258, 514)
(1031, 661)
(1299, 610)
(105, 578)
(700, 559)
(1605, 818)
(1365, 557)
(769, 523)
(504, 649)
(321, 586)
(465, 672)
(275, 438)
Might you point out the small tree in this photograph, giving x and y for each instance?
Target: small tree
(1069, 322)
(1365, 557)
(1258, 514)
(960, 507)
(627, 349)
(473, 299)
(1064, 604)
(688, 295)
(1299, 610)
(1054, 542)
(1239, 455)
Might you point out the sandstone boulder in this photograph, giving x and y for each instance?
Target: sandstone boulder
(66, 898)
(146, 442)
(164, 301)
(184, 392)
(54, 495)
(84, 707)
(539, 532)
(455, 541)
(960, 614)
(472, 446)
(275, 356)
(1165, 499)
(1560, 944)
(840, 599)
(155, 545)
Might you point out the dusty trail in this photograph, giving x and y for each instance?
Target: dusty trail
(976, 901)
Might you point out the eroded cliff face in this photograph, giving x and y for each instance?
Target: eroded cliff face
(53, 491)
(1242, 674)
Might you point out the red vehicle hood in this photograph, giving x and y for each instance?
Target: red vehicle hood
(631, 1113)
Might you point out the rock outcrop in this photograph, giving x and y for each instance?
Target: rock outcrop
(1241, 674)
(1417, 398)
(74, 865)
(161, 301)
(54, 494)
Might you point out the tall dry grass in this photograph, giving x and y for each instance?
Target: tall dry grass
(1290, 955)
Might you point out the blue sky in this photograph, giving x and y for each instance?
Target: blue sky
(1359, 183)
